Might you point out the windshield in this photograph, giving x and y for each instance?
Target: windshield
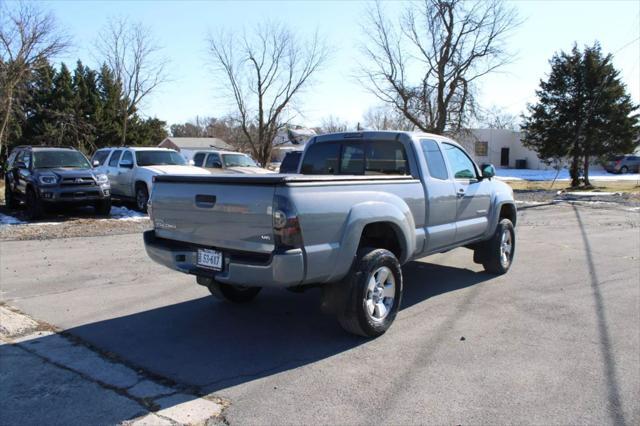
(238, 160)
(60, 159)
(159, 158)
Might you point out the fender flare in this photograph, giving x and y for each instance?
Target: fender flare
(396, 213)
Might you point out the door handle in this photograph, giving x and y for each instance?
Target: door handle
(460, 193)
(205, 201)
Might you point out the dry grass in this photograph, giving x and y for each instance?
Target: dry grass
(604, 186)
(2, 191)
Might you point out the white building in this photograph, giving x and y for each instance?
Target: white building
(500, 147)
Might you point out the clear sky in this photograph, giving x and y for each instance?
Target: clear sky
(181, 27)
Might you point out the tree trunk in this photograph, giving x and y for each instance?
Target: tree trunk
(5, 119)
(586, 169)
(573, 171)
(124, 129)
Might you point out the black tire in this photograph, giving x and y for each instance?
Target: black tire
(357, 316)
(142, 198)
(35, 209)
(491, 255)
(103, 207)
(624, 170)
(233, 293)
(9, 201)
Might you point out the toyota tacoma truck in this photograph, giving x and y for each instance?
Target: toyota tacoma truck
(361, 205)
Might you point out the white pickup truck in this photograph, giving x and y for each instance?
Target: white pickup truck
(131, 170)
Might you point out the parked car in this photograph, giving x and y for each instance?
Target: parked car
(290, 162)
(365, 204)
(44, 176)
(131, 170)
(217, 161)
(623, 164)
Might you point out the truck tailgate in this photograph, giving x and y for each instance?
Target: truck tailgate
(220, 212)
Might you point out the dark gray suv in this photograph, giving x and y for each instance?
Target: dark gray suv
(42, 176)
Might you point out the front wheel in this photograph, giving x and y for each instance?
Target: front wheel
(35, 209)
(374, 294)
(233, 293)
(498, 252)
(103, 207)
(142, 198)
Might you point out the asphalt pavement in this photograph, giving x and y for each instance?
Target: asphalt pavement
(555, 341)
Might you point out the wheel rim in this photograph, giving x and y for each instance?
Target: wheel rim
(381, 292)
(506, 248)
(140, 198)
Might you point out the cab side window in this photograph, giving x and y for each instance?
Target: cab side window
(213, 162)
(25, 157)
(198, 159)
(460, 163)
(100, 157)
(435, 160)
(127, 157)
(115, 157)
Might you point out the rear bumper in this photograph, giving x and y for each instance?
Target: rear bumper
(281, 270)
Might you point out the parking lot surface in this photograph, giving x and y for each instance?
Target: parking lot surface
(555, 341)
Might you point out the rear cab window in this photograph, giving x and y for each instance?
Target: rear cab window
(368, 157)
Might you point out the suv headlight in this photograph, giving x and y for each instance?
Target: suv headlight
(48, 180)
(102, 179)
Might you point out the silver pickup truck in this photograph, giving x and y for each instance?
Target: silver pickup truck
(362, 205)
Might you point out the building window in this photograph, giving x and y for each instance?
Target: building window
(482, 148)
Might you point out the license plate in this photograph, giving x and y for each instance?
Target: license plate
(211, 259)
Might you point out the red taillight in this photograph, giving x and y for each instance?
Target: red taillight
(618, 162)
(286, 227)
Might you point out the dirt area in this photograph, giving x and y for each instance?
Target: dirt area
(80, 222)
(626, 186)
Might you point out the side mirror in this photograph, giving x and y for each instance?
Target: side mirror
(20, 165)
(217, 165)
(126, 165)
(96, 163)
(488, 171)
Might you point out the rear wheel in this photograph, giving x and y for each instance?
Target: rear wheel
(103, 207)
(142, 198)
(9, 201)
(233, 293)
(35, 209)
(374, 293)
(624, 170)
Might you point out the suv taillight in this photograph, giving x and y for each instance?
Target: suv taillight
(286, 228)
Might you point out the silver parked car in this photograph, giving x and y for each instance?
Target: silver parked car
(623, 164)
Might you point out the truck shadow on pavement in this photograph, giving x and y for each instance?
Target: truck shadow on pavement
(200, 346)
(212, 345)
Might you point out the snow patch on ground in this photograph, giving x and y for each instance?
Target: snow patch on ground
(123, 213)
(9, 220)
(118, 213)
(548, 175)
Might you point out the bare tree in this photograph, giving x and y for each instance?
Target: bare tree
(264, 71)
(133, 56)
(332, 124)
(29, 37)
(386, 117)
(427, 65)
(497, 118)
